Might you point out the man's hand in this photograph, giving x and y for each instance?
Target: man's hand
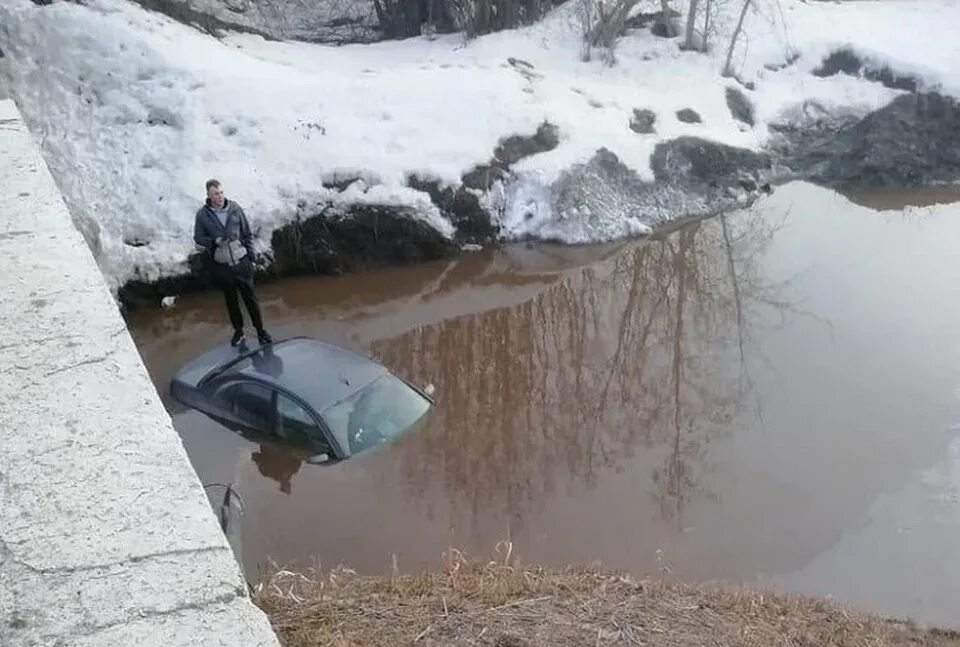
(219, 240)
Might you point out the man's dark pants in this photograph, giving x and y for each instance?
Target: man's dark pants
(234, 280)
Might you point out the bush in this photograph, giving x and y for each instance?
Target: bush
(475, 17)
(405, 18)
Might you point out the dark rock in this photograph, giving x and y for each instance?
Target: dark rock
(340, 184)
(912, 141)
(642, 19)
(740, 106)
(472, 221)
(642, 121)
(484, 176)
(509, 151)
(689, 116)
(513, 149)
(843, 60)
(887, 77)
(846, 61)
(666, 27)
(462, 207)
(700, 160)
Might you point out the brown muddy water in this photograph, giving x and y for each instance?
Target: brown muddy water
(767, 398)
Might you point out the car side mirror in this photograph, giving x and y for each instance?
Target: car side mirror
(430, 389)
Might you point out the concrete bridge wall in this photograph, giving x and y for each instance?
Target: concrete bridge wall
(106, 536)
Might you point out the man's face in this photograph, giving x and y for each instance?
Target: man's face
(215, 193)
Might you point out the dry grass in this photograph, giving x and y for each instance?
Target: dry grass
(500, 604)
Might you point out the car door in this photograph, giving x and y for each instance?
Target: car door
(250, 403)
(296, 424)
(274, 413)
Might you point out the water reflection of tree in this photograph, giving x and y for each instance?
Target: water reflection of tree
(649, 350)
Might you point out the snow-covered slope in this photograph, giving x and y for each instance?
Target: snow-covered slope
(136, 111)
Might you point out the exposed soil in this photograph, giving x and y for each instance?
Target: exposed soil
(334, 242)
(501, 604)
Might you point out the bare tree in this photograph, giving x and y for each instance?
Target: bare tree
(604, 21)
(707, 15)
(587, 11)
(690, 41)
(665, 16)
(712, 11)
(727, 69)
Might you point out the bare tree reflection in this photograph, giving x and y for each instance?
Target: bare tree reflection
(650, 350)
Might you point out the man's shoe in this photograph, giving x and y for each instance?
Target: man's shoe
(238, 338)
(264, 337)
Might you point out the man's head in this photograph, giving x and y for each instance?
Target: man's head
(215, 193)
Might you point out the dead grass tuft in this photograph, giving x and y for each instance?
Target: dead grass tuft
(498, 603)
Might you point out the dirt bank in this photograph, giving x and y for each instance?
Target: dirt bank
(505, 605)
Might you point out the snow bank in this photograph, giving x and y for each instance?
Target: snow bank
(136, 111)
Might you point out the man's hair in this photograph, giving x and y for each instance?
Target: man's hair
(212, 183)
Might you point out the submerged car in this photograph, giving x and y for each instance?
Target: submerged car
(307, 393)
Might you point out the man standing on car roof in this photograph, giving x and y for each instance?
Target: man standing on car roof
(222, 229)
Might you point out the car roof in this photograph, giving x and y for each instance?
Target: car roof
(320, 373)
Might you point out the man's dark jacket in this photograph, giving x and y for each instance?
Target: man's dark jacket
(236, 234)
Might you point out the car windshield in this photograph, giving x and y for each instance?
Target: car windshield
(377, 413)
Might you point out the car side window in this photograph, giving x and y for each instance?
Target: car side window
(251, 402)
(295, 423)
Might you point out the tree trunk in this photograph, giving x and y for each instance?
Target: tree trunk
(727, 71)
(691, 24)
(706, 25)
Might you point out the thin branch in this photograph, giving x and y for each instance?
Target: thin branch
(727, 71)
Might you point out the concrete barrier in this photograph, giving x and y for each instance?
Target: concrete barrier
(106, 536)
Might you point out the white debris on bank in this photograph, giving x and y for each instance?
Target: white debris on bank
(136, 111)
